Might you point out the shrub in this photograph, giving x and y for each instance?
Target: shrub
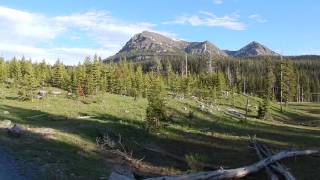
(194, 161)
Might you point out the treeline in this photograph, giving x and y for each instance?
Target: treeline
(296, 80)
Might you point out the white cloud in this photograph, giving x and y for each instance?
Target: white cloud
(258, 18)
(69, 55)
(26, 26)
(217, 1)
(204, 18)
(22, 33)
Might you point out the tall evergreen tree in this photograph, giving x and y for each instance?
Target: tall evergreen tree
(288, 84)
(15, 70)
(155, 112)
(58, 74)
(28, 84)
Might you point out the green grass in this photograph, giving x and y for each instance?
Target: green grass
(63, 146)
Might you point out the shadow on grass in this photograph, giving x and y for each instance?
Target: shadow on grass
(219, 150)
(40, 157)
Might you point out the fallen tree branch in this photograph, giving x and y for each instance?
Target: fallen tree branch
(277, 166)
(238, 172)
(261, 156)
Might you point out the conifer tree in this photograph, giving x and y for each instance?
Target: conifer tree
(138, 81)
(15, 71)
(96, 74)
(28, 84)
(58, 74)
(155, 112)
(42, 73)
(288, 83)
(264, 107)
(219, 83)
(3, 70)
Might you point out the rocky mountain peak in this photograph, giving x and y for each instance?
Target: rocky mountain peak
(147, 44)
(254, 49)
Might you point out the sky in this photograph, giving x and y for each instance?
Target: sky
(70, 30)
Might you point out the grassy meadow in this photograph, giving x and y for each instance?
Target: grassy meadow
(60, 145)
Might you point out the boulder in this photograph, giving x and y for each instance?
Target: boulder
(56, 93)
(42, 93)
(6, 123)
(6, 112)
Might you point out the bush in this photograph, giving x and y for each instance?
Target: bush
(194, 161)
(264, 109)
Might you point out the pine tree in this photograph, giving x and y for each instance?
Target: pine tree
(3, 70)
(42, 73)
(138, 82)
(109, 78)
(58, 74)
(28, 83)
(288, 84)
(269, 80)
(96, 74)
(15, 71)
(264, 108)
(219, 83)
(155, 112)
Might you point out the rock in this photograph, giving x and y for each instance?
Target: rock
(185, 108)
(202, 107)
(126, 111)
(6, 123)
(15, 131)
(6, 112)
(56, 93)
(42, 93)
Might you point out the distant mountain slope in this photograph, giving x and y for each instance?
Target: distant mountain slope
(253, 49)
(147, 44)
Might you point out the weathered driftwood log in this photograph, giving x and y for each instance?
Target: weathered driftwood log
(261, 156)
(238, 172)
(277, 166)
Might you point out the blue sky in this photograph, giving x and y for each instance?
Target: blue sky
(71, 30)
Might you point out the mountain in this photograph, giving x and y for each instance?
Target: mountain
(147, 44)
(200, 48)
(251, 50)
(153, 42)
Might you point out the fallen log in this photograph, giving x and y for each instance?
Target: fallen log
(238, 172)
(277, 166)
(261, 156)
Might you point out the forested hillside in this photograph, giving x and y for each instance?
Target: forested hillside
(299, 82)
